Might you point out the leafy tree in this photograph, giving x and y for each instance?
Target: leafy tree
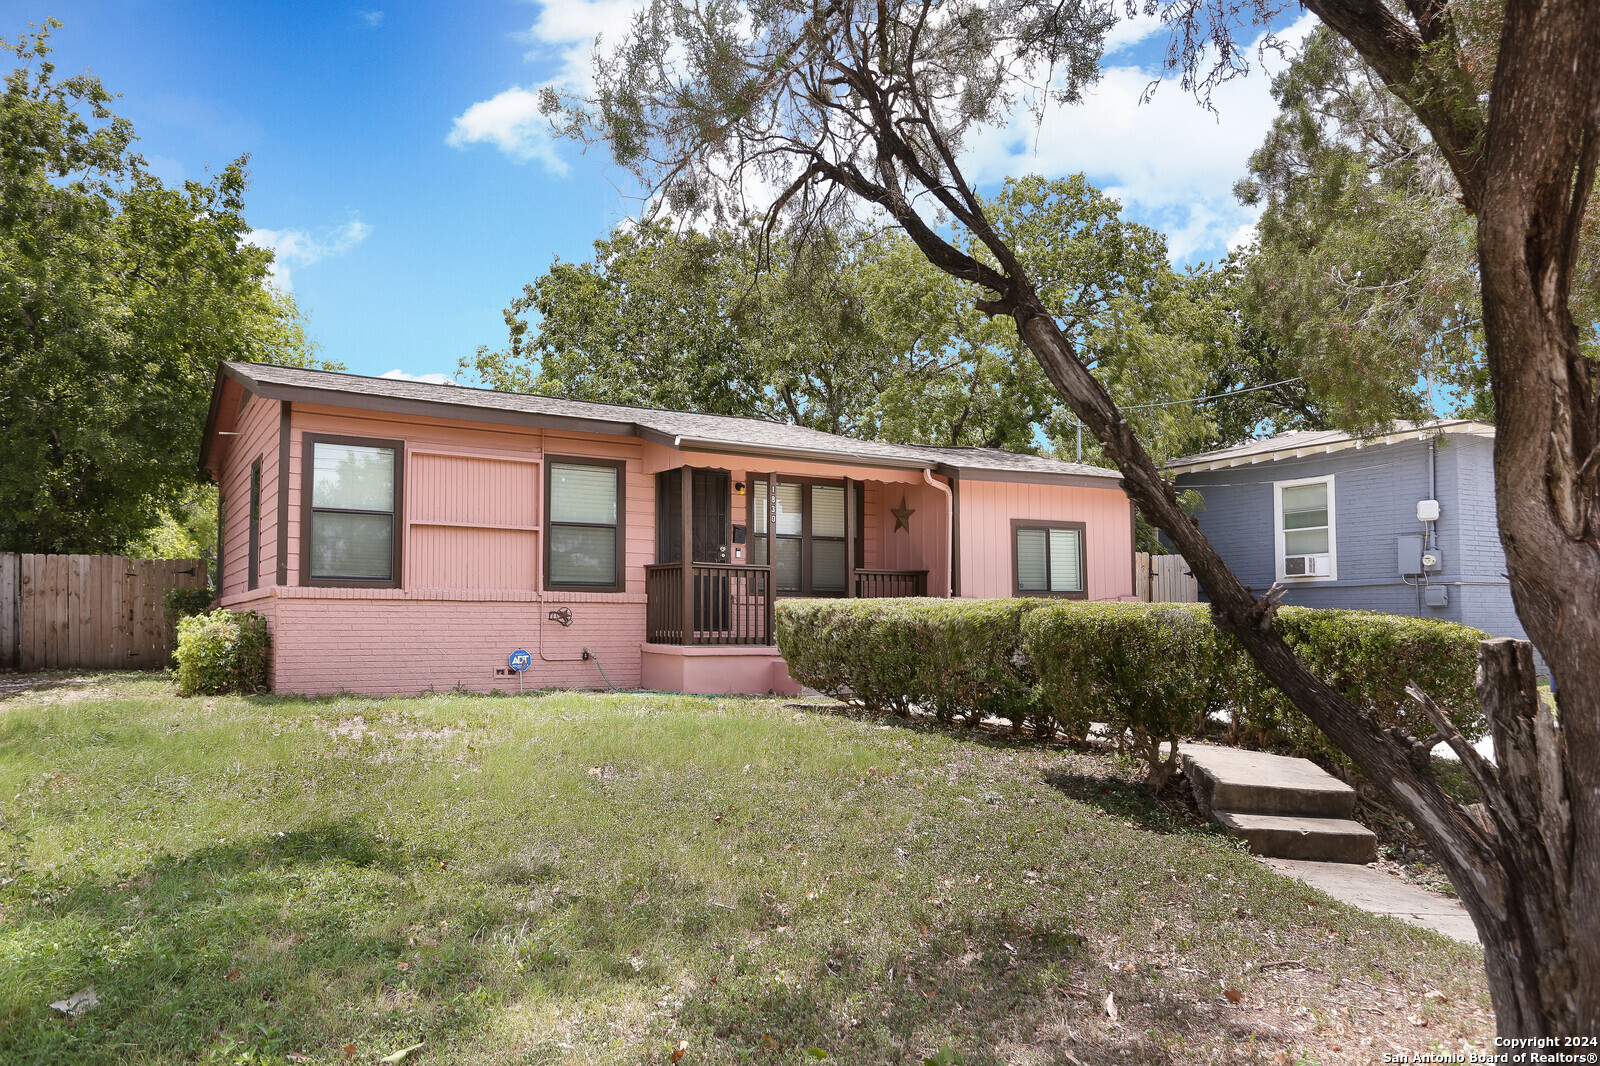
(653, 320)
(186, 529)
(839, 103)
(1364, 264)
(118, 297)
(859, 334)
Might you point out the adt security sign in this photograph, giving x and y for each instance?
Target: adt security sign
(520, 660)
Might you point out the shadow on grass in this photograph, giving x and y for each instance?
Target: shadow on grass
(1169, 813)
(991, 988)
(989, 734)
(14, 685)
(237, 952)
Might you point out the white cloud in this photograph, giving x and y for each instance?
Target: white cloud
(371, 18)
(511, 122)
(293, 248)
(1131, 31)
(430, 379)
(562, 40)
(1243, 237)
(1170, 162)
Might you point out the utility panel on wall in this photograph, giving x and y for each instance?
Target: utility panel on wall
(1409, 550)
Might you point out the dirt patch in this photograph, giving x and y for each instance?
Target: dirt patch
(350, 729)
(442, 733)
(60, 689)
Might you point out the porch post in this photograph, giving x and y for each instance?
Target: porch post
(772, 556)
(955, 534)
(686, 512)
(849, 538)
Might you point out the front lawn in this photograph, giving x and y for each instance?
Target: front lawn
(574, 878)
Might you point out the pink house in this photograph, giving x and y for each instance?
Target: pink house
(401, 537)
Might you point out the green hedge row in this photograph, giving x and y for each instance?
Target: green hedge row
(961, 659)
(1153, 673)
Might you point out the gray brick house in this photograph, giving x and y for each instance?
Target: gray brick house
(1345, 521)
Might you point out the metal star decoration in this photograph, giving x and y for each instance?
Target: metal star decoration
(902, 515)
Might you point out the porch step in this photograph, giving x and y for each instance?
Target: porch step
(1317, 839)
(1285, 808)
(1254, 782)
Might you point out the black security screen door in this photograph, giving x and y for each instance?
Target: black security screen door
(710, 520)
(711, 503)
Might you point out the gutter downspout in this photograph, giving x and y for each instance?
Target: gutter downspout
(949, 529)
(1433, 486)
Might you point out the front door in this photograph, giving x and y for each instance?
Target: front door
(711, 501)
(710, 516)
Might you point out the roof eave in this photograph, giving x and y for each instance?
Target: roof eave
(1467, 427)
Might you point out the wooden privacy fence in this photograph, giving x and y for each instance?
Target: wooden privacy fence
(1163, 579)
(102, 612)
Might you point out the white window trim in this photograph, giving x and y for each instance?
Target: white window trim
(1277, 529)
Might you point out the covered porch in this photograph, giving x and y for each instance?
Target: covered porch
(757, 537)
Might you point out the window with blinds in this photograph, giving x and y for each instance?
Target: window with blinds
(811, 546)
(353, 498)
(584, 527)
(1048, 559)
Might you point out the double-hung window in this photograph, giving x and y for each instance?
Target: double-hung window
(352, 502)
(809, 529)
(584, 535)
(1047, 559)
(1304, 529)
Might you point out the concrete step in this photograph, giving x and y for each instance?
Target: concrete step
(1254, 782)
(1290, 837)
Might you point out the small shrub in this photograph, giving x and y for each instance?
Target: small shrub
(1149, 671)
(184, 602)
(222, 652)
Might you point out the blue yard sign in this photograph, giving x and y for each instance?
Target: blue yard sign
(520, 660)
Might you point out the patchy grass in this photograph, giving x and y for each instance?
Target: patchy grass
(576, 878)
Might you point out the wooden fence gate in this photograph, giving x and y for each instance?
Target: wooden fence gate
(1163, 579)
(97, 612)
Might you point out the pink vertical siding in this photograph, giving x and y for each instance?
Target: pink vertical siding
(257, 430)
(473, 520)
(987, 508)
(923, 545)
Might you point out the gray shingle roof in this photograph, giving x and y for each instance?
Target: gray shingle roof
(719, 432)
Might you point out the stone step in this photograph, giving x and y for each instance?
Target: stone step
(1255, 782)
(1287, 837)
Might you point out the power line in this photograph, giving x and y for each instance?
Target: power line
(1172, 403)
(1203, 399)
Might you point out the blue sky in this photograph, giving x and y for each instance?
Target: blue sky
(399, 173)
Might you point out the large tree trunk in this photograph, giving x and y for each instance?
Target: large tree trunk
(1538, 171)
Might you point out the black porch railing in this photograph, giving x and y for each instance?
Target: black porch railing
(728, 603)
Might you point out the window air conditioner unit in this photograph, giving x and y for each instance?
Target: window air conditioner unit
(1305, 566)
